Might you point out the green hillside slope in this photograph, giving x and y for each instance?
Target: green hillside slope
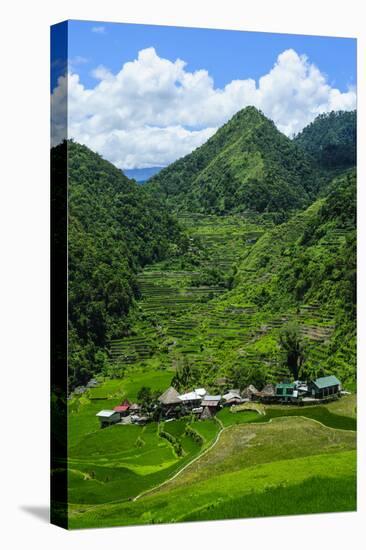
(114, 229)
(331, 139)
(247, 165)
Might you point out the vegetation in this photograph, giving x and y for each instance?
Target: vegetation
(247, 164)
(114, 229)
(331, 139)
(251, 281)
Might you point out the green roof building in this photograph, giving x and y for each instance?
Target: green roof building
(286, 391)
(324, 386)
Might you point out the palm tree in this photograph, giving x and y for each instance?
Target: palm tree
(293, 347)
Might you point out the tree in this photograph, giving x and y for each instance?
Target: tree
(293, 347)
(145, 397)
(186, 375)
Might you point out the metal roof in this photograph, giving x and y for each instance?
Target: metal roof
(326, 381)
(106, 413)
(121, 408)
(191, 396)
(285, 385)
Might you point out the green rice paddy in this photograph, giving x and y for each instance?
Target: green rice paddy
(290, 460)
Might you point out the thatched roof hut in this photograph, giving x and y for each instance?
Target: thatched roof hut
(249, 391)
(269, 389)
(170, 397)
(207, 413)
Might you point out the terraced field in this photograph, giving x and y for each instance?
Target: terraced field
(182, 316)
(189, 311)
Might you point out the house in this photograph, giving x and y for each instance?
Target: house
(123, 408)
(210, 405)
(269, 389)
(286, 391)
(249, 392)
(191, 399)
(169, 400)
(107, 418)
(267, 395)
(324, 387)
(232, 397)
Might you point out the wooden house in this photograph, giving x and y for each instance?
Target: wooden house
(191, 399)
(123, 408)
(286, 391)
(324, 387)
(169, 400)
(210, 405)
(107, 417)
(249, 392)
(232, 397)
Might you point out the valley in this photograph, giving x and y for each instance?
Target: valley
(194, 280)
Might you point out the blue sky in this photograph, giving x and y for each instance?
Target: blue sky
(227, 55)
(135, 112)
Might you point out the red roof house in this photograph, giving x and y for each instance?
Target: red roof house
(123, 407)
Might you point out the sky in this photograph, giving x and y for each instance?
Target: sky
(144, 95)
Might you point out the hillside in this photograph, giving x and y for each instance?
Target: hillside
(331, 139)
(247, 165)
(114, 230)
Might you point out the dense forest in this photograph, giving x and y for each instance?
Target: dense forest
(247, 164)
(285, 248)
(114, 229)
(331, 139)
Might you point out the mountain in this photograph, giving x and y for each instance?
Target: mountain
(331, 139)
(114, 229)
(246, 165)
(305, 270)
(142, 174)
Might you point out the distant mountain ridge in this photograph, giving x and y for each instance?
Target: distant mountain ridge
(142, 174)
(248, 164)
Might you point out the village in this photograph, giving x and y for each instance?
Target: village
(201, 405)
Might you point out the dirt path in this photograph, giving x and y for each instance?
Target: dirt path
(217, 438)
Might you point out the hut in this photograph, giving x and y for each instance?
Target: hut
(210, 405)
(324, 387)
(107, 417)
(169, 400)
(232, 397)
(191, 399)
(123, 408)
(269, 389)
(249, 392)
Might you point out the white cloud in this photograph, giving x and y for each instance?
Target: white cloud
(153, 110)
(98, 30)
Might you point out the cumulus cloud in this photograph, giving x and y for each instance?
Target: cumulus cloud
(154, 110)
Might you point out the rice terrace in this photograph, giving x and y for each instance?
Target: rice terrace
(212, 313)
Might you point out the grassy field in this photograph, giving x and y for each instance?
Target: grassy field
(286, 461)
(250, 464)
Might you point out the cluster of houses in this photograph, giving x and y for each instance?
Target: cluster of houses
(203, 405)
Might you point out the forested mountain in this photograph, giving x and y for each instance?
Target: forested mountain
(114, 229)
(247, 164)
(331, 139)
(311, 259)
